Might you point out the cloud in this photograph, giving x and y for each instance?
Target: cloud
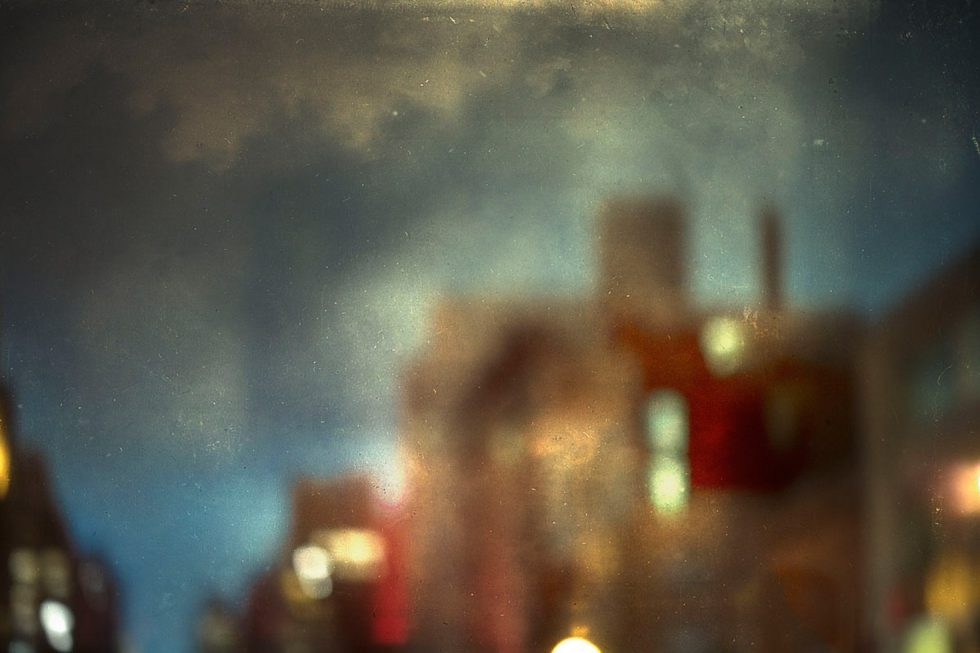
(226, 72)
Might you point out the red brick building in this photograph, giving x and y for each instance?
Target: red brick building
(338, 583)
(632, 465)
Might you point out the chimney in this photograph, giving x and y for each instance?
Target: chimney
(642, 249)
(772, 255)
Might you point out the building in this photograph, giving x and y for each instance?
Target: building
(51, 597)
(336, 585)
(922, 406)
(632, 466)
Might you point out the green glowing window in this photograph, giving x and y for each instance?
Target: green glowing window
(667, 429)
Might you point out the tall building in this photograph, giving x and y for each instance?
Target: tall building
(922, 406)
(607, 465)
(51, 597)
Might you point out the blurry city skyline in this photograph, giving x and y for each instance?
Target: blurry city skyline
(224, 227)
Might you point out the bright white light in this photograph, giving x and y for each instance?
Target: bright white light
(723, 345)
(668, 484)
(313, 566)
(575, 645)
(57, 621)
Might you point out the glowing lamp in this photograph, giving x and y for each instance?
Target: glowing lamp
(575, 645)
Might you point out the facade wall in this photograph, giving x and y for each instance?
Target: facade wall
(921, 406)
(544, 505)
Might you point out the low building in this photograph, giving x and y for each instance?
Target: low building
(336, 584)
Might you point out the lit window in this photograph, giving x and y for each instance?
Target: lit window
(927, 634)
(964, 489)
(667, 434)
(358, 554)
(667, 422)
(723, 345)
(24, 566)
(58, 622)
(313, 566)
(668, 482)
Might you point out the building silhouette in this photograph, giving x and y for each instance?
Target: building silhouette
(52, 598)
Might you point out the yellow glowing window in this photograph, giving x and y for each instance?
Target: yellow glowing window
(723, 345)
(358, 554)
(668, 483)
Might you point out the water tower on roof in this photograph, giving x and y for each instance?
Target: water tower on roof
(642, 254)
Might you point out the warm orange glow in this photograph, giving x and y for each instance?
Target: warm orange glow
(950, 590)
(4, 461)
(966, 489)
(357, 554)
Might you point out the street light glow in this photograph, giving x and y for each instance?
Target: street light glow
(575, 645)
